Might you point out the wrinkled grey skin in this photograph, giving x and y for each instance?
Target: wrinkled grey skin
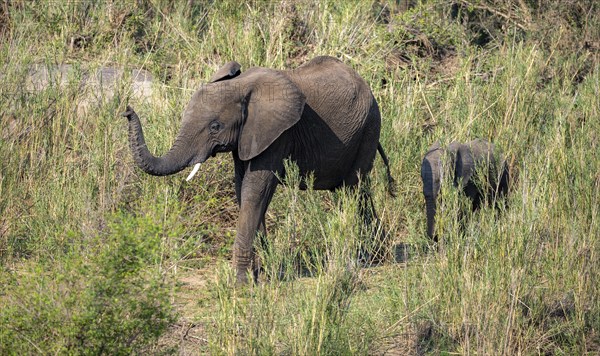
(432, 171)
(463, 161)
(480, 157)
(321, 115)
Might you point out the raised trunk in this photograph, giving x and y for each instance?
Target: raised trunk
(178, 157)
(430, 209)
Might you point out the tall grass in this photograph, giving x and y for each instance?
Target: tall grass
(287, 313)
(95, 254)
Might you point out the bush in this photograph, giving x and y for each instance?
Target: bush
(111, 298)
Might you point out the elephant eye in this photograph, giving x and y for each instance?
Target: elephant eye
(215, 126)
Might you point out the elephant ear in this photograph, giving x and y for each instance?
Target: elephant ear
(435, 146)
(453, 148)
(484, 154)
(464, 166)
(273, 104)
(431, 170)
(228, 71)
(475, 155)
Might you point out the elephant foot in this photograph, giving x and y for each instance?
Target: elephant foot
(243, 264)
(257, 267)
(373, 250)
(374, 254)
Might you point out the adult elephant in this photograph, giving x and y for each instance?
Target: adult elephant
(465, 162)
(322, 116)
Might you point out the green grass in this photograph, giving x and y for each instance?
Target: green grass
(97, 257)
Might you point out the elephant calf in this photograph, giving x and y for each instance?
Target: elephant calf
(463, 161)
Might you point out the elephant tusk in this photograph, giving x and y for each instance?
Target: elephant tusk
(193, 173)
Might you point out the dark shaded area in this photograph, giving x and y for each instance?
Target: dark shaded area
(403, 252)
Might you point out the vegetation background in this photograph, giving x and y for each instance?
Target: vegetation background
(99, 258)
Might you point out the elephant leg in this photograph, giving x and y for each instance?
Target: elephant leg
(478, 200)
(373, 249)
(256, 263)
(262, 231)
(359, 173)
(503, 186)
(257, 190)
(473, 192)
(366, 208)
(239, 177)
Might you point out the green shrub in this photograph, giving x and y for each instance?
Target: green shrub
(109, 298)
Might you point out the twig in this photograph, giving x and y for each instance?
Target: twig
(426, 102)
(30, 342)
(190, 327)
(411, 313)
(482, 6)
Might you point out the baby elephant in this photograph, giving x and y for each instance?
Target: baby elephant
(463, 161)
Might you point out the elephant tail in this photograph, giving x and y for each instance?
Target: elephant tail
(391, 183)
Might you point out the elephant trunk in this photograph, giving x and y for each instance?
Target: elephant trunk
(178, 157)
(430, 209)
